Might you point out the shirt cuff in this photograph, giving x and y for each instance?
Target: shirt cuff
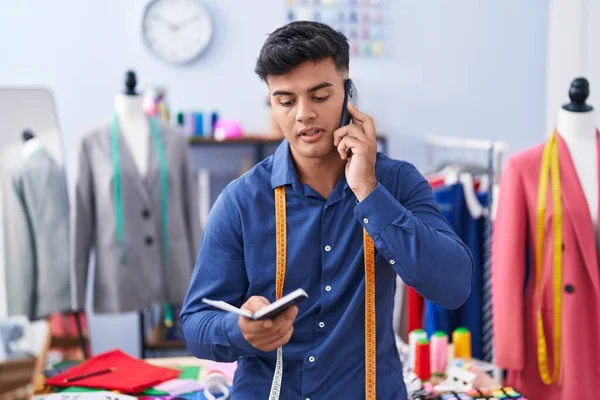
(377, 210)
(235, 335)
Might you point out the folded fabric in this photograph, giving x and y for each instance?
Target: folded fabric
(176, 387)
(101, 395)
(227, 369)
(127, 374)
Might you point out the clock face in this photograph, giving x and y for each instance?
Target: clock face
(177, 31)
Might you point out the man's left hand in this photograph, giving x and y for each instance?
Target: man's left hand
(360, 137)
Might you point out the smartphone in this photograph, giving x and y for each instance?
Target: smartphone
(349, 95)
(270, 311)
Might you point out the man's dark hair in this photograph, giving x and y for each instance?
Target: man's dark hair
(300, 41)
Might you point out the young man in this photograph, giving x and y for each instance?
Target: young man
(330, 199)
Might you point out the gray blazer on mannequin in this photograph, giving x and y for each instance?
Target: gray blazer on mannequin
(141, 281)
(36, 237)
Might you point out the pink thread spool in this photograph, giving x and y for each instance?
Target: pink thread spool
(439, 353)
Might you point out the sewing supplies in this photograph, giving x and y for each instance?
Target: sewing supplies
(477, 393)
(413, 338)
(423, 359)
(215, 382)
(439, 353)
(455, 396)
(199, 118)
(549, 164)
(89, 375)
(189, 124)
(461, 338)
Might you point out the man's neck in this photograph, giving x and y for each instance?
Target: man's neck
(321, 174)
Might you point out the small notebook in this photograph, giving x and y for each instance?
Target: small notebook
(269, 311)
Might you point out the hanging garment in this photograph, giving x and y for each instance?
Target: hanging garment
(121, 216)
(36, 237)
(514, 281)
(451, 201)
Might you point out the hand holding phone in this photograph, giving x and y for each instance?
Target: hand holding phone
(350, 95)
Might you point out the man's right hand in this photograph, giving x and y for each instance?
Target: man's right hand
(269, 334)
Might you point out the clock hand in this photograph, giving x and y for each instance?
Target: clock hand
(169, 24)
(186, 22)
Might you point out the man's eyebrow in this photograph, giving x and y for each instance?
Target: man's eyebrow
(312, 89)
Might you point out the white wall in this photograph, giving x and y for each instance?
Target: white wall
(471, 68)
(573, 51)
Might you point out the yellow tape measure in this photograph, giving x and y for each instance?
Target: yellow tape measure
(369, 259)
(549, 162)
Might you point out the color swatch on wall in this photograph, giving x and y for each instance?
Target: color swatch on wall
(360, 20)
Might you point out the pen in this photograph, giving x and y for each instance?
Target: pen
(90, 374)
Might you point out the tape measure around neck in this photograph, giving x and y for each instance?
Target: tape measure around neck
(549, 164)
(370, 322)
(164, 195)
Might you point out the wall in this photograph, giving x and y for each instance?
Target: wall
(473, 68)
(573, 51)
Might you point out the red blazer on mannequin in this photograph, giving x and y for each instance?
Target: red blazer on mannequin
(513, 282)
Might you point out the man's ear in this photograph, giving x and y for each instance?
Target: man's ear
(269, 98)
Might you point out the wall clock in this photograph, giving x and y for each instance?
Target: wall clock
(176, 31)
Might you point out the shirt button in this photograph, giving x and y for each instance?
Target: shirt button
(392, 262)
(328, 288)
(311, 359)
(327, 248)
(366, 220)
(321, 324)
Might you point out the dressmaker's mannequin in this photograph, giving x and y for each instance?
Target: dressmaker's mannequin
(576, 124)
(31, 145)
(133, 123)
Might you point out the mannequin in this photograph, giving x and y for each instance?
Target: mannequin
(545, 261)
(31, 145)
(133, 122)
(576, 123)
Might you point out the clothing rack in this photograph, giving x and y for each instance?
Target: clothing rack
(495, 150)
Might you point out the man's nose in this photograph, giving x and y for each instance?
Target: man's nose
(306, 111)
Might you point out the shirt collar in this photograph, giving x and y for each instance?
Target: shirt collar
(284, 171)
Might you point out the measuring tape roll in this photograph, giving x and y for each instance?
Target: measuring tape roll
(549, 165)
(369, 261)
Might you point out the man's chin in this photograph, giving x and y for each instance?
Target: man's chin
(314, 150)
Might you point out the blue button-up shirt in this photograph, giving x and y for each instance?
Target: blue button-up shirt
(325, 356)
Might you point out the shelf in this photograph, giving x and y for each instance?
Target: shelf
(65, 342)
(246, 139)
(16, 373)
(258, 140)
(165, 345)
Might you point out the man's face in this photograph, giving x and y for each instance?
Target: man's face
(307, 105)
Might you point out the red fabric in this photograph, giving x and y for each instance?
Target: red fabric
(132, 375)
(416, 303)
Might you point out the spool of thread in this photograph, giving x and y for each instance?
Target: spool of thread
(199, 123)
(413, 338)
(214, 117)
(461, 338)
(439, 353)
(423, 360)
(189, 123)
